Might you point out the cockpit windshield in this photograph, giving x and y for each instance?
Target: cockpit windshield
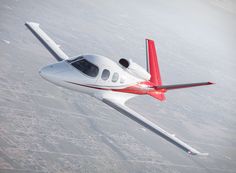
(74, 59)
(86, 67)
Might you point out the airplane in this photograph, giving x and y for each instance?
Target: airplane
(113, 83)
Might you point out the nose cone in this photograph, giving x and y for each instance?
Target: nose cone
(53, 72)
(47, 72)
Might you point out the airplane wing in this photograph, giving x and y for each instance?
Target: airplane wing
(52, 47)
(118, 102)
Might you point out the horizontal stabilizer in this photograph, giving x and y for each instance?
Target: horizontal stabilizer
(179, 86)
(52, 47)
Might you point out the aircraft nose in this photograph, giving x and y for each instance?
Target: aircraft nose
(47, 72)
(51, 72)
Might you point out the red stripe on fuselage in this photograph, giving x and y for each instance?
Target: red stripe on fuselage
(140, 88)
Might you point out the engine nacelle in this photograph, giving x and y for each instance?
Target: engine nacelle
(134, 69)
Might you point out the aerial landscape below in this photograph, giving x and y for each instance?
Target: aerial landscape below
(47, 128)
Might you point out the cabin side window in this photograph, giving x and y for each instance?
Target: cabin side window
(115, 77)
(86, 67)
(105, 74)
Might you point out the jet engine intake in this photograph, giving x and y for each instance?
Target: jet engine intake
(134, 69)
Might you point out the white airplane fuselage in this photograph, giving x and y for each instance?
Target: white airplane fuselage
(64, 74)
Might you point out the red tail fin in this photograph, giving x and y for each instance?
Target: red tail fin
(152, 63)
(153, 69)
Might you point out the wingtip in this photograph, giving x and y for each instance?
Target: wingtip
(27, 23)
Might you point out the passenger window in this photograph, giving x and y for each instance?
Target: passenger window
(86, 67)
(105, 74)
(115, 77)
